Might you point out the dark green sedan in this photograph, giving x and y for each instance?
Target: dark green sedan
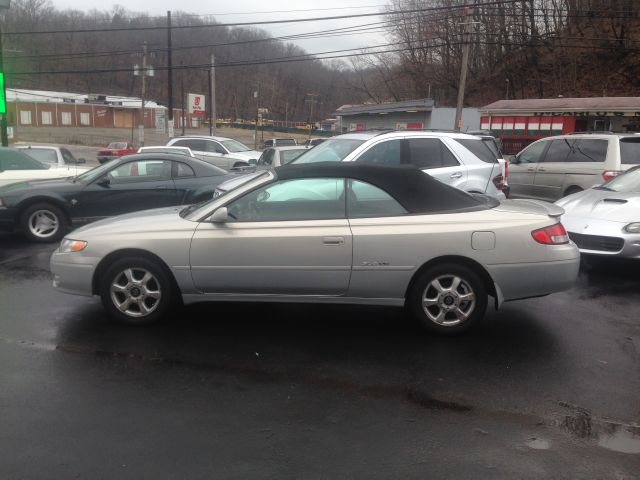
(43, 210)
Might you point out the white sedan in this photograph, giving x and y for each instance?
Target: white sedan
(16, 166)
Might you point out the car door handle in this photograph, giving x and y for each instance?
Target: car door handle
(333, 240)
(531, 169)
(456, 175)
(541, 169)
(161, 187)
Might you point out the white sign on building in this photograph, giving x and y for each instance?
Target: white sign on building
(197, 104)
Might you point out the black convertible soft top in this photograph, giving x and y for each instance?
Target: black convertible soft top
(416, 191)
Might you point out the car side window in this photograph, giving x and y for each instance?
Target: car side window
(558, 150)
(267, 157)
(67, 156)
(588, 150)
(215, 147)
(141, 171)
(430, 153)
(366, 200)
(14, 160)
(533, 153)
(383, 153)
(290, 200)
(194, 145)
(183, 170)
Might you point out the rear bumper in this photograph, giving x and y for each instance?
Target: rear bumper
(526, 280)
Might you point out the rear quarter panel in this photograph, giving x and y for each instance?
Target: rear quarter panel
(387, 252)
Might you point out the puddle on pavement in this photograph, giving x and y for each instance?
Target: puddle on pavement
(616, 436)
(539, 444)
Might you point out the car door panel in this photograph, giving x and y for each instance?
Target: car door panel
(129, 193)
(549, 177)
(522, 170)
(273, 258)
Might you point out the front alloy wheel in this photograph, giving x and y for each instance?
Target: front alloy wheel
(137, 291)
(43, 223)
(448, 300)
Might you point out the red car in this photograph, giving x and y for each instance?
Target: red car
(115, 150)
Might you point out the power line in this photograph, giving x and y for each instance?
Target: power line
(264, 22)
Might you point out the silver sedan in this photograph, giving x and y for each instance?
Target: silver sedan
(325, 233)
(605, 220)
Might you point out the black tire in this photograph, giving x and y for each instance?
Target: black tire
(571, 191)
(160, 283)
(43, 223)
(451, 323)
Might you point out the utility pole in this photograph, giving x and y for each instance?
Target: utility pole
(183, 119)
(506, 97)
(256, 95)
(143, 74)
(312, 99)
(212, 89)
(169, 75)
(468, 25)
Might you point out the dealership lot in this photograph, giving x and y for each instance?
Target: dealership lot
(546, 387)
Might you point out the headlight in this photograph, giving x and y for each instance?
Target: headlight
(68, 245)
(632, 228)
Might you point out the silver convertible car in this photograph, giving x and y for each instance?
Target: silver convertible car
(605, 220)
(332, 232)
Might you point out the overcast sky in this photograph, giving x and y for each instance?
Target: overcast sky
(246, 10)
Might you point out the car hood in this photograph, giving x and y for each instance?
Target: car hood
(602, 205)
(161, 220)
(48, 184)
(248, 155)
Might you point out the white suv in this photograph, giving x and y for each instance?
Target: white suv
(222, 152)
(468, 162)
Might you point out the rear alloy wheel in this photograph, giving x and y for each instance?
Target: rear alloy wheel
(43, 223)
(448, 298)
(136, 291)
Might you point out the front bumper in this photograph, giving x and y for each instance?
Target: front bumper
(8, 218)
(602, 237)
(73, 273)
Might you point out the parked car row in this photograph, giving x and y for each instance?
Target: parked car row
(414, 218)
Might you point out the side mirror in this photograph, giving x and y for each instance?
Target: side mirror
(81, 160)
(253, 161)
(514, 160)
(104, 181)
(220, 215)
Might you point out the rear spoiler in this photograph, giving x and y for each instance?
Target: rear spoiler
(532, 206)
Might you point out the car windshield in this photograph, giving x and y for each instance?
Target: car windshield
(287, 156)
(630, 151)
(44, 155)
(198, 209)
(16, 160)
(117, 145)
(235, 146)
(334, 150)
(94, 173)
(628, 182)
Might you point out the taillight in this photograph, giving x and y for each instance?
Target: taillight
(506, 169)
(498, 181)
(552, 235)
(609, 174)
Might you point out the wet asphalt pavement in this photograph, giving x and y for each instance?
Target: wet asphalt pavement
(546, 388)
